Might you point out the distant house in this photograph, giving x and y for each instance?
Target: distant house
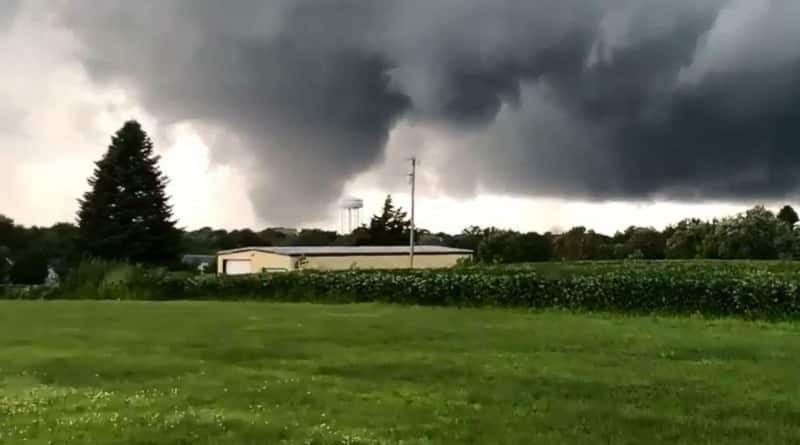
(201, 262)
(249, 260)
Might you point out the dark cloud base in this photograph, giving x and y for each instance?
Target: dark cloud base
(573, 98)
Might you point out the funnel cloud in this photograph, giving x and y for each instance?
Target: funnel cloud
(590, 99)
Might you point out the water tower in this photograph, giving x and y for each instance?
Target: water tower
(350, 214)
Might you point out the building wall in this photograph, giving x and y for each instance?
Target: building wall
(421, 261)
(258, 261)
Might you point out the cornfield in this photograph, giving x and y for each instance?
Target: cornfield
(719, 289)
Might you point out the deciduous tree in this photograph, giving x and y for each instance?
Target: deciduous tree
(788, 215)
(390, 227)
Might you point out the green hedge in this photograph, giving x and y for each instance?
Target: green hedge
(712, 292)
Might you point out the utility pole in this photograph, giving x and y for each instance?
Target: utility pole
(413, 179)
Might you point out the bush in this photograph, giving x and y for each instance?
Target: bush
(5, 264)
(30, 268)
(101, 279)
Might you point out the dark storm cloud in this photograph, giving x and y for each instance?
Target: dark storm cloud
(310, 107)
(602, 99)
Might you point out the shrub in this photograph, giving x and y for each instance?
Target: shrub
(101, 279)
(5, 264)
(30, 268)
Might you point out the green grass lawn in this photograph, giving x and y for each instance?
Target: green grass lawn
(241, 373)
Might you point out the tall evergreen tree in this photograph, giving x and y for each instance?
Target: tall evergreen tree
(126, 215)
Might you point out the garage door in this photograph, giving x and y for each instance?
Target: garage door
(237, 267)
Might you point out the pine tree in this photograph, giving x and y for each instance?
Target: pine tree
(126, 215)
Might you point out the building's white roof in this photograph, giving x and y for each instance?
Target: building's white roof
(350, 250)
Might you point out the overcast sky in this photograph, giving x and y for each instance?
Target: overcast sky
(529, 114)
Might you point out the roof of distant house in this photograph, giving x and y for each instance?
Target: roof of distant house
(350, 250)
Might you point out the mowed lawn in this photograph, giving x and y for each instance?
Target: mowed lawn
(249, 373)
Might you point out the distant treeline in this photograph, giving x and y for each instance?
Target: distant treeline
(754, 234)
(27, 252)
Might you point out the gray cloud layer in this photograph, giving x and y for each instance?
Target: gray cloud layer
(579, 98)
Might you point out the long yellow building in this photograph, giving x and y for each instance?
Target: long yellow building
(251, 260)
